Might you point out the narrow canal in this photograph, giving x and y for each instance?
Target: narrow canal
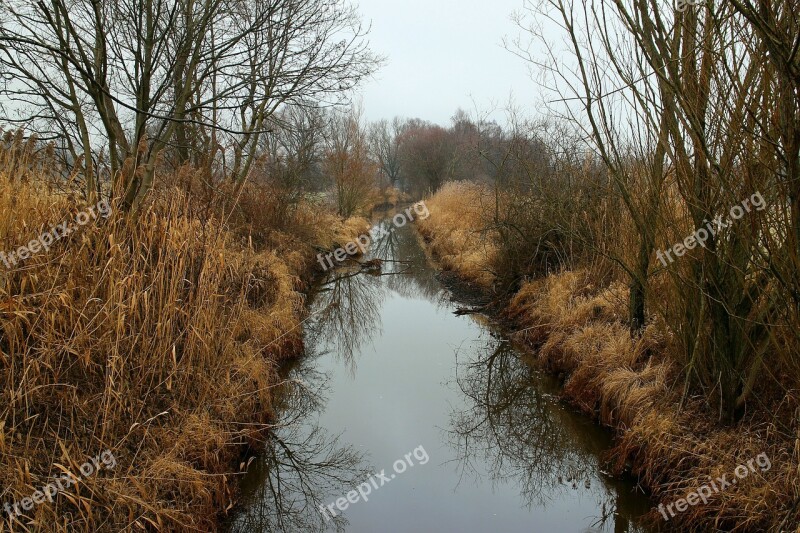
(471, 438)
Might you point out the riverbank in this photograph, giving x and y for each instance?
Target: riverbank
(505, 454)
(153, 338)
(576, 329)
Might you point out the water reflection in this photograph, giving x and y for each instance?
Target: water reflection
(513, 429)
(346, 306)
(400, 253)
(419, 282)
(300, 466)
(303, 466)
(378, 376)
(345, 315)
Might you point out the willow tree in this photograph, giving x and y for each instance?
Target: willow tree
(776, 27)
(695, 83)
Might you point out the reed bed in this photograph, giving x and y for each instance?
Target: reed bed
(154, 337)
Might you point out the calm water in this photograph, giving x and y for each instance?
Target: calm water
(390, 368)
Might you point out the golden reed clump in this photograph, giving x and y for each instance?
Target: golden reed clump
(633, 384)
(454, 231)
(155, 337)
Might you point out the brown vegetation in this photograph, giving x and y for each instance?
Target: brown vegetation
(456, 234)
(634, 385)
(690, 111)
(577, 323)
(155, 337)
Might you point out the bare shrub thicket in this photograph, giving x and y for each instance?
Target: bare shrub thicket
(689, 119)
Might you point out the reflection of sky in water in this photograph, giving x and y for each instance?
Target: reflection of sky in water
(390, 368)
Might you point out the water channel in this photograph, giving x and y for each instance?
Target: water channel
(389, 369)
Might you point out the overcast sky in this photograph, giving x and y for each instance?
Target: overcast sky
(442, 55)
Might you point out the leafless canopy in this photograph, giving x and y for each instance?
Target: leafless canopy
(123, 80)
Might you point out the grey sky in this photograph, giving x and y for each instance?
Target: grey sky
(442, 55)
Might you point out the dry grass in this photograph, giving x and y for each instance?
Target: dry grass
(632, 385)
(635, 385)
(390, 197)
(156, 339)
(456, 234)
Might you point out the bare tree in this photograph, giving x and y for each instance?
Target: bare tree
(348, 164)
(294, 149)
(776, 26)
(139, 76)
(679, 106)
(427, 155)
(604, 89)
(384, 143)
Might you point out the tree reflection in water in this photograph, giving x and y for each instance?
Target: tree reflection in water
(301, 466)
(345, 315)
(514, 427)
(346, 307)
(418, 279)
